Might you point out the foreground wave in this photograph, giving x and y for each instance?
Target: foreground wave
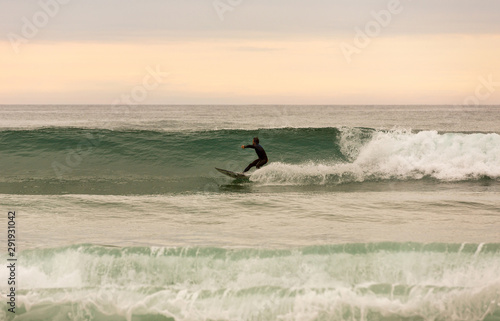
(372, 281)
(64, 159)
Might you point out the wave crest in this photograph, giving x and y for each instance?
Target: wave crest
(399, 155)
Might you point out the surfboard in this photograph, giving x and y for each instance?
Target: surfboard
(232, 174)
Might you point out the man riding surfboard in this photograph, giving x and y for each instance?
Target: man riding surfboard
(259, 162)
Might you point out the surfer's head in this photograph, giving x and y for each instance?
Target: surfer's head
(256, 140)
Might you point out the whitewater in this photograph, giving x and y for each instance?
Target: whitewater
(362, 213)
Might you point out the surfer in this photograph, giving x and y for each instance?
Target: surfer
(259, 162)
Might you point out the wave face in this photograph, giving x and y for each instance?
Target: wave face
(298, 156)
(365, 281)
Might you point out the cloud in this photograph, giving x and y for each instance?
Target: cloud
(167, 20)
(280, 51)
(256, 49)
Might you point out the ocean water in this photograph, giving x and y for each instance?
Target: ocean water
(362, 213)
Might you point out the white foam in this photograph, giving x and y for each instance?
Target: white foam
(398, 155)
(296, 286)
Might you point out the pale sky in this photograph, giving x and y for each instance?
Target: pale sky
(249, 52)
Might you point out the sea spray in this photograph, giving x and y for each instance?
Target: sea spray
(397, 155)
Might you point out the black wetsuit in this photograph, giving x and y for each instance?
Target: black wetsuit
(259, 162)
